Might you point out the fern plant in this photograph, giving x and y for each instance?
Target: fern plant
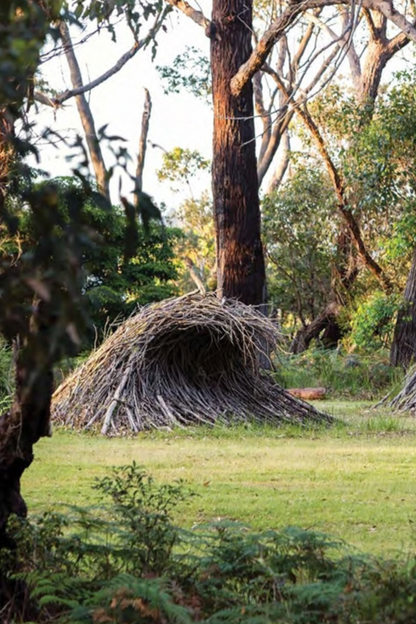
(126, 562)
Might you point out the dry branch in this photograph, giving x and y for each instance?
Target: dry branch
(405, 400)
(188, 360)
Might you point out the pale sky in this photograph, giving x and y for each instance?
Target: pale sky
(177, 120)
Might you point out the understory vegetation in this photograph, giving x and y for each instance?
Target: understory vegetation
(125, 560)
(298, 227)
(342, 374)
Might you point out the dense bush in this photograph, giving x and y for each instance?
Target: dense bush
(343, 374)
(372, 322)
(127, 562)
(114, 281)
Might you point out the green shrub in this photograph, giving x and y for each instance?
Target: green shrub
(372, 323)
(347, 375)
(127, 562)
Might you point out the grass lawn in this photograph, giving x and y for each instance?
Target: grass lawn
(356, 480)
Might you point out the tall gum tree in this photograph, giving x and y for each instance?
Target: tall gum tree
(234, 66)
(241, 272)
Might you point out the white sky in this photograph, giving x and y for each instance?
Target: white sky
(177, 120)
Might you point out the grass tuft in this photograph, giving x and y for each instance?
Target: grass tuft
(344, 375)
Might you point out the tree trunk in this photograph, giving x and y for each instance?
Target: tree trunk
(241, 272)
(403, 349)
(326, 322)
(147, 110)
(20, 428)
(86, 116)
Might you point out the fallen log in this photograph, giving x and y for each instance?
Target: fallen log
(308, 394)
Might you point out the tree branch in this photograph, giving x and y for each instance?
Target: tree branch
(288, 17)
(352, 55)
(85, 113)
(197, 16)
(147, 109)
(58, 100)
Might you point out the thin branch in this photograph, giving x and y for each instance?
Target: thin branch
(288, 17)
(147, 109)
(197, 16)
(279, 128)
(354, 61)
(302, 47)
(58, 100)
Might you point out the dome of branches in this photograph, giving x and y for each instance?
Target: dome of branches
(187, 360)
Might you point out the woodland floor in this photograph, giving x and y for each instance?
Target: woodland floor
(355, 480)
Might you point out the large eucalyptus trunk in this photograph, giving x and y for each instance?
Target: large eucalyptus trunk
(241, 272)
(403, 349)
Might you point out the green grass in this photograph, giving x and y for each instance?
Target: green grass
(355, 376)
(356, 480)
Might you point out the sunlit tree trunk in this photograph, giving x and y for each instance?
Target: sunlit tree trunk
(241, 271)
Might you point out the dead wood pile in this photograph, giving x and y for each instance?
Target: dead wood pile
(183, 361)
(405, 400)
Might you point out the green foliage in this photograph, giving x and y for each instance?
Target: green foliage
(298, 230)
(197, 245)
(372, 323)
(130, 563)
(348, 375)
(198, 241)
(373, 147)
(180, 165)
(112, 284)
(106, 13)
(21, 41)
(190, 71)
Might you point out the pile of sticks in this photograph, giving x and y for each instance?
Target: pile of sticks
(405, 400)
(187, 360)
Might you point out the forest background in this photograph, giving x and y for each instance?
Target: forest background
(321, 284)
(335, 143)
